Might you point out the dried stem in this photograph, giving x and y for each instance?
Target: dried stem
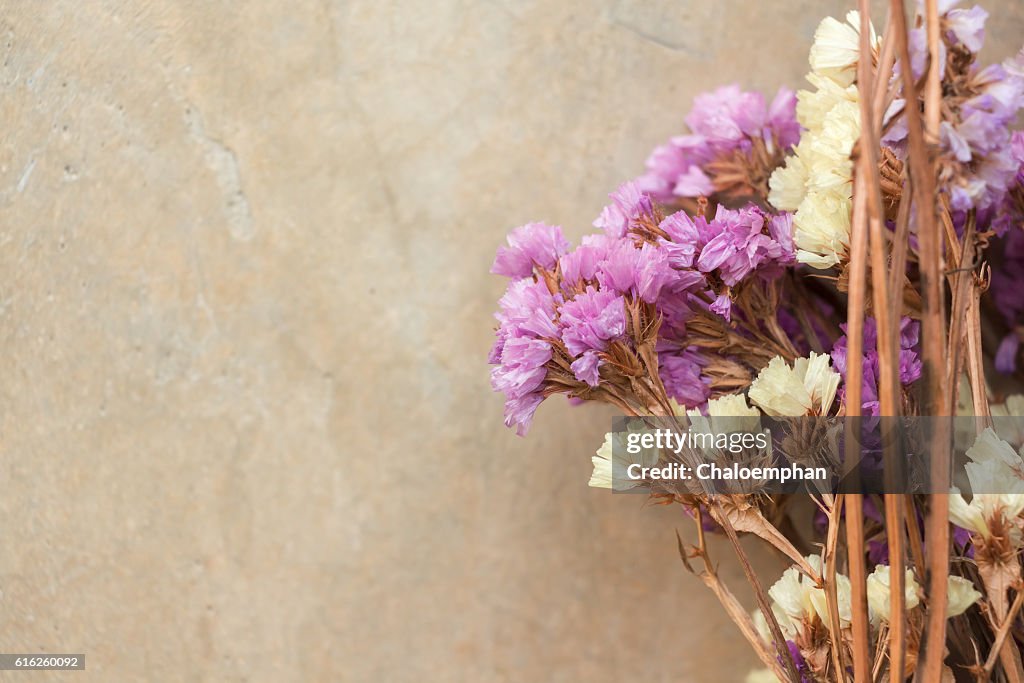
(888, 359)
(786, 671)
(831, 590)
(894, 514)
(854, 501)
(1001, 633)
(923, 175)
(759, 592)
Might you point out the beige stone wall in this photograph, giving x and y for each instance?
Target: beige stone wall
(246, 429)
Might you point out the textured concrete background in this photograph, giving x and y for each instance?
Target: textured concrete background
(246, 427)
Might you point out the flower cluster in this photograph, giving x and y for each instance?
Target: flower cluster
(715, 291)
(979, 165)
(807, 388)
(800, 607)
(909, 362)
(736, 139)
(567, 313)
(816, 181)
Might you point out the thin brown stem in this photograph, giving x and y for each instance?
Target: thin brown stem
(923, 175)
(759, 593)
(1001, 633)
(854, 501)
(831, 589)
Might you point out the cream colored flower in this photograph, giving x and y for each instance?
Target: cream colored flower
(786, 624)
(961, 594)
(788, 185)
(843, 597)
(807, 388)
(994, 464)
(827, 156)
(816, 181)
(878, 586)
(836, 48)
(821, 228)
(792, 594)
(797, 599)
(994, 474)
(814, 106)
(613, 459)
(726, 415)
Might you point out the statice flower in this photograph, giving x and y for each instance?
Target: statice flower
(808, 387)
(962, 595)
(816, 182)
(1008, 275)
(591, 319)
(736, 139)
(630, 203)
(681, 373)
(522, 349)
(533, 244)
(836, 48)
(909, 361)
(979, 164)
(727, 250)
(746, 240)
(641, 272)
(994, 473)
(878, 593)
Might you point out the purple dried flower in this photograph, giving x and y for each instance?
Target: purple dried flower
(640, 272)
(521, 349)
(722, 123)
(591, 320)
(629, 203)
(722, 305)
(586, 368)
(1007, 282)
(967, 27)
(533, 244)
(979, 164)
(909, 362)
(581, 264)
(741, 244)
(680, 372)
(1006, 354)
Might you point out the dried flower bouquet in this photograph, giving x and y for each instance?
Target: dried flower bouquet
(854, 250)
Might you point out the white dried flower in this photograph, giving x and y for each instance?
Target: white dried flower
(821, 228)
(994, 474)
(836, 48)
(878, 586)
(613, 459)
(816, 182)
(844, 592)
(822, 221)
(798, 600)
(786, 624)
(827, 155)
(807, 388)
(792, 594)
(788, 184)
(726, 415)
(961, 594)
(814, 106)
